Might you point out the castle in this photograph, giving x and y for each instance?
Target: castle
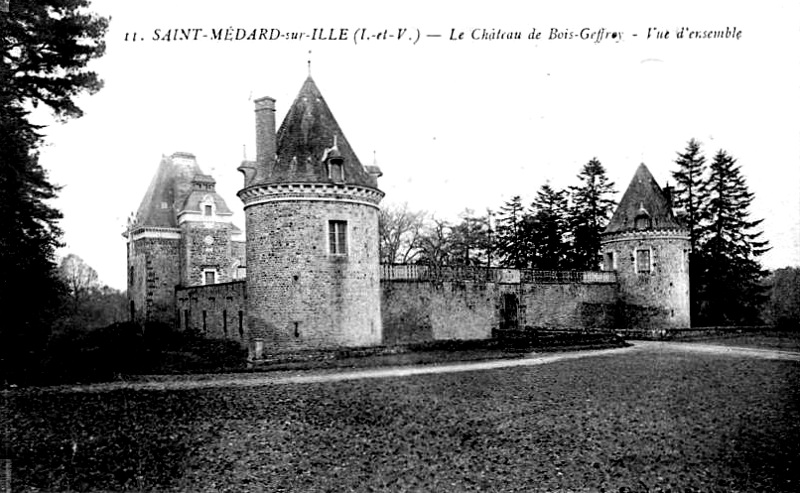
(305, 274)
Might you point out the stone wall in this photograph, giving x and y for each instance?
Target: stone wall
(206, 247)
(659, 298)
(300, 295)
(418, 311)
(153, 273)
(215, 310)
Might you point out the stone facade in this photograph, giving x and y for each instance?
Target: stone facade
(420, 309)
(153, 273)
(215, 310)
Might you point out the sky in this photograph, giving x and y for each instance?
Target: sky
(453, 123)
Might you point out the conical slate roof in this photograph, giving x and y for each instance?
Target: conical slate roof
(308, 135)
(643, 198)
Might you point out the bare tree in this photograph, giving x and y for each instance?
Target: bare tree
(436, 244)
(79, 277)
(400, 231)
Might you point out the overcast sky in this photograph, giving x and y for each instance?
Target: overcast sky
(454, 124)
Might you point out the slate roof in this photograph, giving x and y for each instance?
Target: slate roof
(309, 134)
(174, 188)
(643, 197)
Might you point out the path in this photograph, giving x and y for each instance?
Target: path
(310, 376)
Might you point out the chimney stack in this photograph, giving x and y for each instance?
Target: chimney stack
(265, 129)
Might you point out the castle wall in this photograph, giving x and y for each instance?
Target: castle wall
(300, 296)
(419, 311)
(215, 310)
(153, 273)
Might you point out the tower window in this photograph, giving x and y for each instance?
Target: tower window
(207, 210)
(643, 221)
(337, 237)
(643, 261)
(209, 277)
(610, 262)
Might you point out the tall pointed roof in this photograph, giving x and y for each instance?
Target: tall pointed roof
(643, 198)
(178, 185)
(307, 137)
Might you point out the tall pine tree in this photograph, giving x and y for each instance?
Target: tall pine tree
(688, 194)
(511, 239)
(730, 289)
(591, 207)
(548, 222)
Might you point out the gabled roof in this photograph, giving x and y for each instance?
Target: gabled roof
(308, 135)
(643, 198)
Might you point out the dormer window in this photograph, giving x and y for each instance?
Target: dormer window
(643, 222)
(207, 206)
(333, 158)
(336, 169)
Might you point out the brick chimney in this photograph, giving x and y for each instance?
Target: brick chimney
(265, 129)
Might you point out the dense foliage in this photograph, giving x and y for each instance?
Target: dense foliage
(560, 229)
(714, 199)
(46, 46)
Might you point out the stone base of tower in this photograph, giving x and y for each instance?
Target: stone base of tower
(313, 274)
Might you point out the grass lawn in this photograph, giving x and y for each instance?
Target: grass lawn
(641, 421)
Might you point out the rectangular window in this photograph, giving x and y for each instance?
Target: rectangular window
(642, 261)
(207, 210)
(241, 326)
(225, 322)
(610, 262)
(337, 237)
(209, 277)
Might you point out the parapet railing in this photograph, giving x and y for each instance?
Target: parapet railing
(415, 272)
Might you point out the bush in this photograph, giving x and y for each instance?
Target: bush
(127, 349)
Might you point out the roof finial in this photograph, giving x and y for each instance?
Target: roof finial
(309, 63)
(374, 157)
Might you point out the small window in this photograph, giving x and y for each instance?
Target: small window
(209, 277)
(337, 237)
(642, 261)
(643, 221)
(241, 325)
(207, 210)
(225, 322)
(610, 262)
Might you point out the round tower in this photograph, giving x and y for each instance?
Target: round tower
(649, 250)
(312, 233)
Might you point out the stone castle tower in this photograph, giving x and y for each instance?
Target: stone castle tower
(311, 213)
(182, 234)
(649, 250)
